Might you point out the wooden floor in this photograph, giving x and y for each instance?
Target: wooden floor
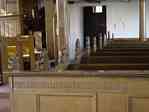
(4, 104)
(4, 98)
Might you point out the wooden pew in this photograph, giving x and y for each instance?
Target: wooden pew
(108, 66)
(112, 53)
(115, 59)
(125, 49)
(127, 45)
(103, 91)
(121, 51)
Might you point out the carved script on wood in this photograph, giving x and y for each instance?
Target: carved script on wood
(71, 83)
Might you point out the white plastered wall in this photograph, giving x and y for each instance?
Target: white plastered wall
(76, 29)
(122, 21)
(123, 18)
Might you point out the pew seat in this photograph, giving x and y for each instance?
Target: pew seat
(115, 59)
(92, 67)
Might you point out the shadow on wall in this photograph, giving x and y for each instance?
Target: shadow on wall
(74, 47)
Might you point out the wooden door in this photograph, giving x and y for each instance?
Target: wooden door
(94, 23)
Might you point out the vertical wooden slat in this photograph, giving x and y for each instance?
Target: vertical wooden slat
(142, 19)
(61, 22)
(5, 54)
(62, 39)
(55, 37)
(20, 12)
(32, 55)
(49, 12)
(19, 49)
(55, 27)
(57, 30)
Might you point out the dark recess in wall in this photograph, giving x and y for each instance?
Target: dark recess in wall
(36, 23)
(94, 23)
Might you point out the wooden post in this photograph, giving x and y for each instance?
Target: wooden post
(108, 37)
(105, 40)
(112, 36)
(19, 62)
(88, 44)
(101, 42)
(94, 44)
(62, 41)
(98, 39)
(4, 51)
(32, 55)
(58, 32)
(142, 20)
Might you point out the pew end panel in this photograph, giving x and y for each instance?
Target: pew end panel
(80, 91)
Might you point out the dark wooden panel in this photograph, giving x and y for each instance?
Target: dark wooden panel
(92, 67)
(94, 23)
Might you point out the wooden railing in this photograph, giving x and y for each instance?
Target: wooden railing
(98, 42)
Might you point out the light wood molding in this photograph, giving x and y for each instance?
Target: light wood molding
(88, 93)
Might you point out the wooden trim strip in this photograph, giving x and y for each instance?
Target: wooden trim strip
(142, 19)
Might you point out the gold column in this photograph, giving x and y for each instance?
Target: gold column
(49, 14)
(61, 22)
(141, 20)
(60, 8)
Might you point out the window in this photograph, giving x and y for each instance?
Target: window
(9, 18)
(97, 9)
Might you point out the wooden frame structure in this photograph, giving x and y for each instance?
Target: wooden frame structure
(55, 28)
(17, 46)
(80, 91)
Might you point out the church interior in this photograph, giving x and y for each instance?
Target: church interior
(74, 55)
